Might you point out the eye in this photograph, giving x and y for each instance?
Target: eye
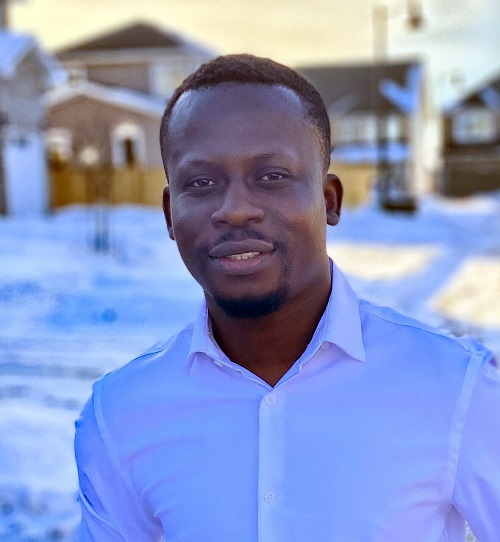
(274, 176)
(201, 183)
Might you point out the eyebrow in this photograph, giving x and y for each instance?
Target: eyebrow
(203, 162)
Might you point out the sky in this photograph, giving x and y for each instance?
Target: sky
(459, 38)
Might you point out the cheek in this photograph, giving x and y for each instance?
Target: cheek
(308, 221)
(185, 220)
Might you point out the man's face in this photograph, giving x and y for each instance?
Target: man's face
(248, 197)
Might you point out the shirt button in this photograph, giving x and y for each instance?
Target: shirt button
(270, 399)
(269, 496)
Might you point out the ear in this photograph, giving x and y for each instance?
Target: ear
(333, 198)
(166, 212)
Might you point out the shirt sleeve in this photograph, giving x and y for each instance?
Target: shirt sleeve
(111, 512)
(477, 484)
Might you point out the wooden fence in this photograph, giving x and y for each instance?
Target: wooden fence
(357, 181)
(69, 186)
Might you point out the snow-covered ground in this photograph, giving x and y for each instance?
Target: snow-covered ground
(68, 315)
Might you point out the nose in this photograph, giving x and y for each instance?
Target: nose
(237, 206)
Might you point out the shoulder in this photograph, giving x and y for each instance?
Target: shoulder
(163, 363)
(125, 398)
(383, 324)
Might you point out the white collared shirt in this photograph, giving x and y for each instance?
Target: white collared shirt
(384, 430)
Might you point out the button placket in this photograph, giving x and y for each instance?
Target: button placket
(269, 496)
(271, 464)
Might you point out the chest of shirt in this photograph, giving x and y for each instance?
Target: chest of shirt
(325, 455)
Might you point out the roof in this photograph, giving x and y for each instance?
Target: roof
(488, 94)
(135, 36)
(127, 99)
(14, 47)
(365, 87)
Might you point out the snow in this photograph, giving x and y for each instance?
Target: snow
(12, 48)
(358, 153)
(117, 97)
(69, 314)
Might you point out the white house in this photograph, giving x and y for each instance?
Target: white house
(25, 74)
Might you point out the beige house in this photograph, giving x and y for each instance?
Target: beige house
(25, 74)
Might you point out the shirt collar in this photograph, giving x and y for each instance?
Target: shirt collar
(342, 326)
(339, 325)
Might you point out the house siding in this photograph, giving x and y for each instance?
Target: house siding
(471, 146)
(134, 76)
(92, 122)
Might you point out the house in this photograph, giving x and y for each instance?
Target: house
(109, 131)
(471, 143)
(376, 115)
(25, 74)
(140, 57)
(103, 125)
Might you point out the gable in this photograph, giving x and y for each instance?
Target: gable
(13, 47)
(18, 51)
(486, 96)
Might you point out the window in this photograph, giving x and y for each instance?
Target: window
(362, 128)
(474, 125)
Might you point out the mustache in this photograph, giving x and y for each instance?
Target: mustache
(243, 234)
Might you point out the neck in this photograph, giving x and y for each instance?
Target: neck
(270, 345)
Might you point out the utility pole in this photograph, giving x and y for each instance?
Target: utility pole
(387, 178)
(4, 15)
(3, 120)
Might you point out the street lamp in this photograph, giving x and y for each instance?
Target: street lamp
(392, 195)
(89, 158)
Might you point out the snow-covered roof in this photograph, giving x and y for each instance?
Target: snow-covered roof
(485, 95)
(14, 47)
(349, 88)
(119, 97)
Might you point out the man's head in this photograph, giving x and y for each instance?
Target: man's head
(248, 195)
(248, 69)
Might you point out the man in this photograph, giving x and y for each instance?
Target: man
(289, 411)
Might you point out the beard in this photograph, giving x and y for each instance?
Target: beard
(253, 307)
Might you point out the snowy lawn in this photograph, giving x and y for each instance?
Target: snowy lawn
(68, 315)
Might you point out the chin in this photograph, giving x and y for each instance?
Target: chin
(253, 307)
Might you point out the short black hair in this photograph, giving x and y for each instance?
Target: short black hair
(249, 69)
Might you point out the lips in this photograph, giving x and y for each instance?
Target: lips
(241, 250)
(242, 257)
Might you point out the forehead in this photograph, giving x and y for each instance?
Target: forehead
(230, 111)
(236, 97)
